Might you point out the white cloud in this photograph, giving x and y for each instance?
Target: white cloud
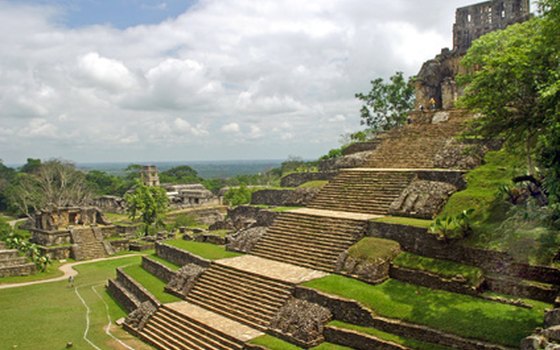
(271, 71)
(231, 128)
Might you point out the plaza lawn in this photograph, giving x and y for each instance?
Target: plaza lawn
(454, 313)
(153, 284)
(205, 250)
(47, 316)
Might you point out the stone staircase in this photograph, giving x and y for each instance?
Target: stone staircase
(308, 240)
(242, 296)
(11, 264)
(414, 146)
(88, 243)
(367, 191)
(170, 328)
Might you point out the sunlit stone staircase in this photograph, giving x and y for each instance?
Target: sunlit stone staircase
(368, 191)
(172, 328)
(242, 296)
(89, 243)
(309, 240)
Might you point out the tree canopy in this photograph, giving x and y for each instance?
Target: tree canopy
(387, 104)
(182, 174)
(147, 203)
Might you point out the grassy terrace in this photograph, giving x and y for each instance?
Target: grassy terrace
(454, 313)
(398, 220)
(374, 249)
(205, 250)
(314, 184)
(153, 284)
(443, 268)
(167, 263)
(414, 344)
(273, 343)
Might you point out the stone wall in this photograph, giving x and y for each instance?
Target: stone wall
(18, 270)
(207, 216)
(243, 241)
(48, 238)
(157, 269)
(178, 256)
(419, 241)
(284, 197)
(523, 289)
(135, 288)
(245, 216)
(455, 178)
(422, 199)
(353, 312)
(297, 179)
(358, 341)
(355, 160)
(120, 245)
(431, 280)
(122, 296)
(56, 253)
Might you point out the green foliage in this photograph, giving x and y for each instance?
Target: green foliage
(31, 250)
(148, 204)
(183, 174)
(31, 166)
(185, 220)
(373, 249)
(458, 314)
(453, 227)
(333, 153)
(103, 183)
(405, 221)
(387, 104)
(445, 268)
(238, 195)
(7, 175)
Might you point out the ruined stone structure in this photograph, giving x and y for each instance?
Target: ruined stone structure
(436, 78)
(79, 231)
(150, 175)
(191, 195)
(113, 204)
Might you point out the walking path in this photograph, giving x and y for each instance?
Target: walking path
(68, 270)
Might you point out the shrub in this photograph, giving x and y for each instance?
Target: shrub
(238, 196)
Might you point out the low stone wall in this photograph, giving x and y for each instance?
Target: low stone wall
(361, 147)
(210, 238)
(523, 289)
(455, 178)
(135, 288)
(284, 197)
(245, 216)
(120, 245)
(56, 253)
(358, 341)
(431, 280)
(353, 312)
(297, 179)
(126, 230)
(48, 238)
(18, 270)
(206, 216)
(178, 256)
(419, 241)
(122, 296)
(157, 269)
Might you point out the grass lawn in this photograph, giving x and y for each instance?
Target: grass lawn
(443, 268)
(47, 316)
(374, 249)
(153, 284)
(413, 344)
(205, 250)
(454, 313)
(398, 220)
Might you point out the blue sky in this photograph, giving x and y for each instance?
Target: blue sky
(166, 80)
(118, 13)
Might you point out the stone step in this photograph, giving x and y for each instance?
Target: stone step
(24, 269)
(271, 283)
(292, 256)
(17, 261)
(303, 262)
(200, 327)
(6, 254)
(313, 250)
(177, 337)
(312, 235)
(311, 243)
(160, 341)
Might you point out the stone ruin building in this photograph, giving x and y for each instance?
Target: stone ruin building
(150, 175)
(76, 232)
(190, 195)
(436, 78)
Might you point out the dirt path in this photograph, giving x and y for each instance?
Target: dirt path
(67, 269)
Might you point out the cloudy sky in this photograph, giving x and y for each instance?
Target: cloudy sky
(141, 80)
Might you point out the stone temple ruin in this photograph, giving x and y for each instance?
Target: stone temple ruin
(408, 172)
(150, 175)
(436, 78)
(190, 195)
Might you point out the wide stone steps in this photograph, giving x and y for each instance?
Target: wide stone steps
(362, 191)
(242, 296)
(169, 329)
(309, 240)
